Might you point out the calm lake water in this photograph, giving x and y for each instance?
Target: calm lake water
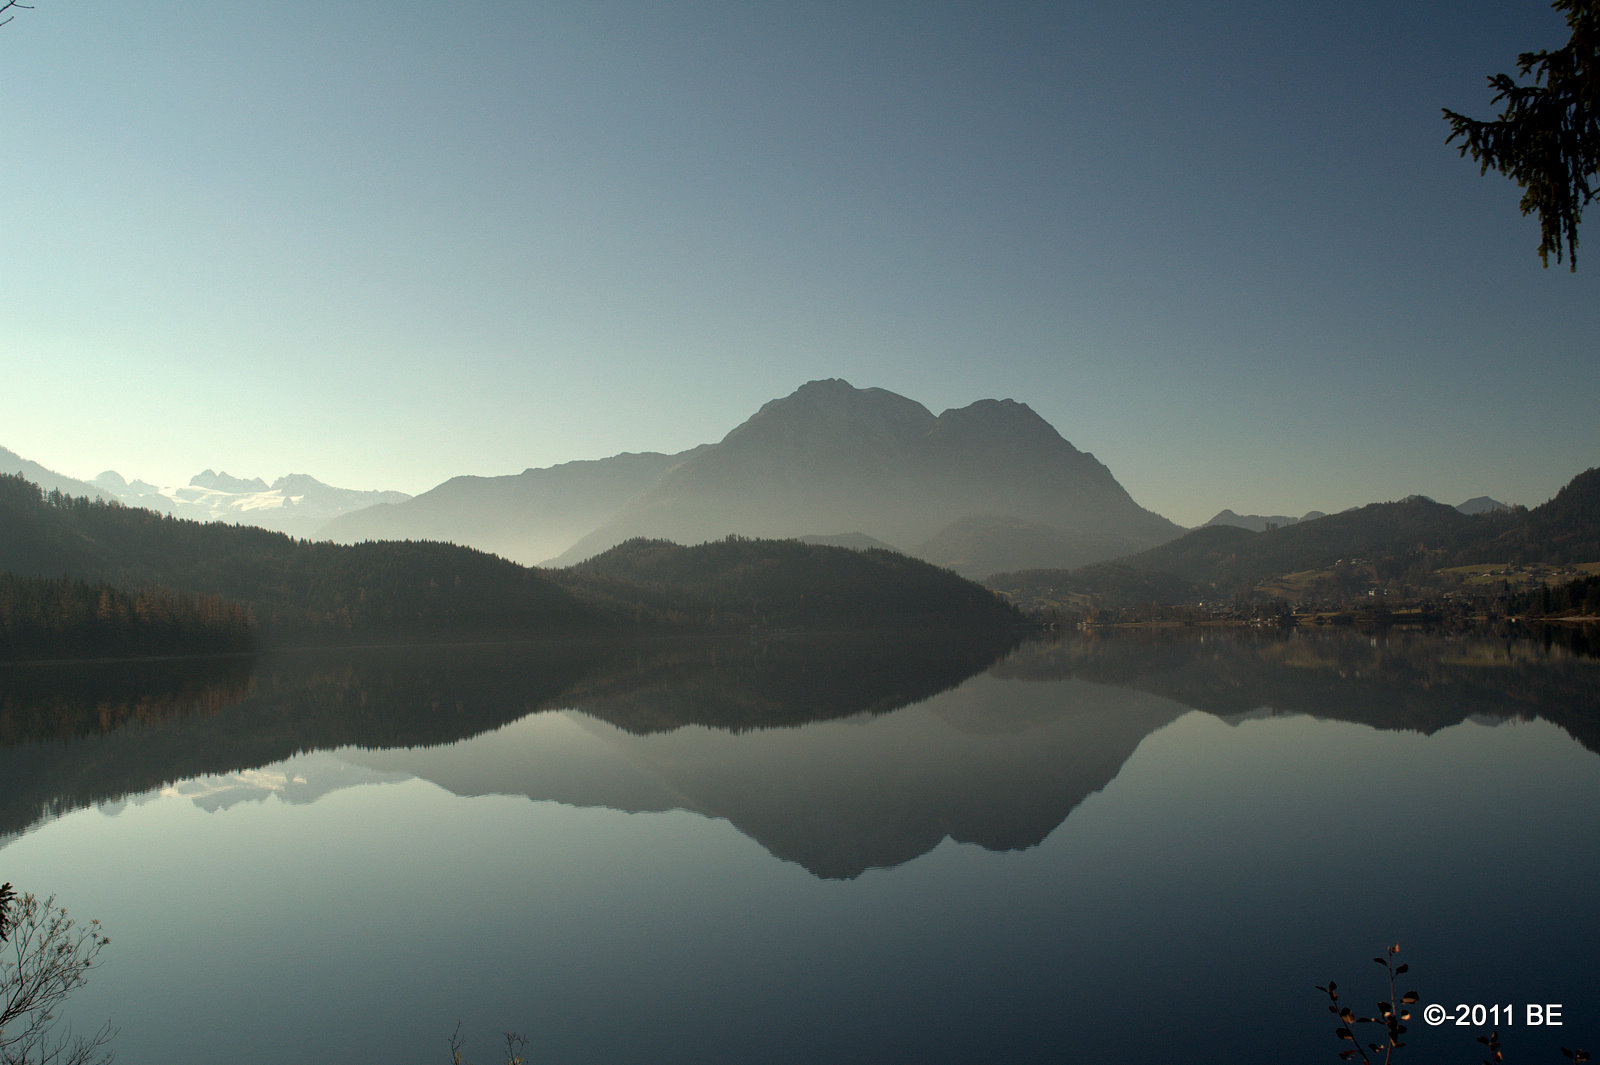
(839, 850)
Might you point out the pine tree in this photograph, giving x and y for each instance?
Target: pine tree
(1547, 139)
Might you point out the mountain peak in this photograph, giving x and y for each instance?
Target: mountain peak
(222, 482)
(1003, 422)
(836, 392)
(297, 484)
(826, 386)
(833, 415)
(993, 408)
(1483, 505)
(1261, 522)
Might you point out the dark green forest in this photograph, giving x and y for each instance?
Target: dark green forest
(765, 584)
(86, 577)
(1581, 596)
(1403, 680)
(136, 725)
(42, 617)
(133, 726)
(292, 588)
(1407, 546)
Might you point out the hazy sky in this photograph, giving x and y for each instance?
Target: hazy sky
(1220, 244)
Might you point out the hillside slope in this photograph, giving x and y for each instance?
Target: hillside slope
(832, 459)
(740, 582)
(527, 517)
(1407, 541)
(297, 590)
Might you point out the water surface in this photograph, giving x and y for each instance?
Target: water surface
(815, 850)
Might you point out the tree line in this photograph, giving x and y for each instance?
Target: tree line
(52, 616)
(1575, 598)
(89, 576)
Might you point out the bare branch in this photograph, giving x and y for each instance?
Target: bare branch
(48, 956)
(8, 5)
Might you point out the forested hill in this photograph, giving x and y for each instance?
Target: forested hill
(1566, 529)
(293, 588)
(781, 584)
(1226, 556)
(300, 591)
(1407, 540)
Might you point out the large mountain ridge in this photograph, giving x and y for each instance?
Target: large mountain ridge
(984, 489)
(829, 460)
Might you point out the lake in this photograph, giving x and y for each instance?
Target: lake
(1124, 848)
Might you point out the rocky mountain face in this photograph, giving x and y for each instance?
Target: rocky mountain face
(990, 486)
(831, 459)
(222, 482)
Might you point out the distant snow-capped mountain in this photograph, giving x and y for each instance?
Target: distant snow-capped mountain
(297, 504)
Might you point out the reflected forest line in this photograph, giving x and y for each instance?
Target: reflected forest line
(73, 736)
(1392, 679)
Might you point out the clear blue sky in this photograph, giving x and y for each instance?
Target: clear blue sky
(1220, 244)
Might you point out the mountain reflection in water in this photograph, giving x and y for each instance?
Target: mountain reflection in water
(831, 752)
(1156, 827)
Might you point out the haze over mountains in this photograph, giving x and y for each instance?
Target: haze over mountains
(983, 489)
(1264, 522)
(527, 517)
(1261, 522)
(975, 489)
(297, 504)
(47, 479)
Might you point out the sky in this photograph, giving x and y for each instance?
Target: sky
(1222, 245)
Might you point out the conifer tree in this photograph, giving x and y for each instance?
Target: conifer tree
(1547, 139)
